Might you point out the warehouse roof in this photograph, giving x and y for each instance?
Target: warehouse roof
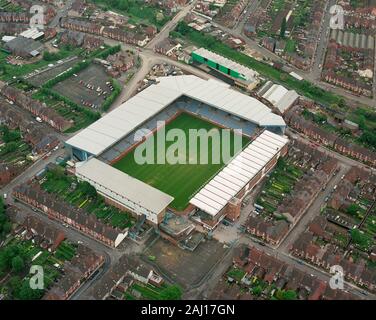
(117, 124)
(278, 96)
(32, 33)
(214, 196)
(124, 185)
(23, 45)
(249, 74)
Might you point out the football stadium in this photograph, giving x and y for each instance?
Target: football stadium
(105, 151)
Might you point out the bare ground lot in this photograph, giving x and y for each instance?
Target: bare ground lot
(75, 88)
(185, 267)
(51, 72)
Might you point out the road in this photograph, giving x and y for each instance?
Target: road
(323, 42)
(165, 31)
(61, 13)
(148, 59)
(29, 173)
(252, 6)
(313, 211)
(345, 160)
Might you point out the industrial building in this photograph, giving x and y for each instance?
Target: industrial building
(23, 47)
(242, 76)
(100, 144)
(281, 98)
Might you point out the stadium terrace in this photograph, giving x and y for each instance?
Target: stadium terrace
(108, 140)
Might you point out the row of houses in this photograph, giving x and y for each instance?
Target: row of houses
(42, 139)
(295, 120)
(80, 39)
(270, 231)
(37, 108)
(8, 172)
(84, 264)
(346, 187)
(262, 266)
(347, 83)
(360, 18)
(73, 272)
(120, 62)
(344, 51)
(306, 189)
(46, 236)
(330, 255)
(121, 276)
(321, 168)
(112, 32)
(230, 17)
(20, 17)
(11, 28)
(49, 12)
(77, 218)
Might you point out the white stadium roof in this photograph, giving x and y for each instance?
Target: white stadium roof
(213, 197)
(117, 124)
(123, 185)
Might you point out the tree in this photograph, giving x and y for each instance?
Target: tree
(159, 16)
(5, 226)
(353, 209)
(286, 295)
(18, 264)
(360, 238)
(283, 28)
(14, 284)
(173, 292)
(26, 293)
(256, 291)
(369, 138)
(88, 189)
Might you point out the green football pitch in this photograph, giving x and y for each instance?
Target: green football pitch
(178, 180)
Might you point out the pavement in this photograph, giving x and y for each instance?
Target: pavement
(323, 42)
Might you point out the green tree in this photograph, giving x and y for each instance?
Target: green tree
(5, 226)
(369, 138)
(14, 284)
(256, 291)
(286, 295)
(26, 293)
(283, 28)
(353, 209)
(173, 292)
(88, 189)
(18, 264)
(360, 238)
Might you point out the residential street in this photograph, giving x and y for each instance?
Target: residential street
(313, 211)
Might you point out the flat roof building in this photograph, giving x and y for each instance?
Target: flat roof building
(122, 190)
(24, 47)
(278, 96)
(243, 76)
(239, 176)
